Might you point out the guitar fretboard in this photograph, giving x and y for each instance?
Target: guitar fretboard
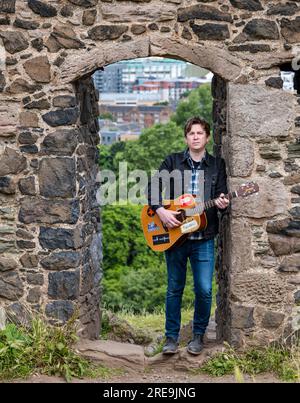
(208, 204)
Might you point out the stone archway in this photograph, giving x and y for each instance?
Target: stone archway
(50, 229)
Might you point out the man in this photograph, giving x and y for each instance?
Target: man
(199, 247)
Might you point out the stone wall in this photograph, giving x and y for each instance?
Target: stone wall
(50, 232)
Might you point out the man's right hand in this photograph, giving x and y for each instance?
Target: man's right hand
(168, 217)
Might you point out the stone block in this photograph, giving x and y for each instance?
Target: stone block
(61, 117)
(14, 41)
(35, 278)
(7, 6)
(29, 260)
(61, 310)
(60, 142)
(283, 9)
(7, 263)
(240, 253)
(64, 285)
(240, 155)
(261, 29)
(7, 246)
(284, 245)
(241, 316)
(129, 12)
(34, 295)
(7, 185)
(259, 288)
(84, 3)
(27, 186)
(38, 69)
(272, 199)
(57, 177)
(35, 210)
(106, 32)
(249, 5)
(11, 286)
(290, 264)
(63, 36)
(60, 238)
(113, 353)
(202, 12)
(272, 319)
(61, 261)
(290, 29)
(20, 85)
(29, 119)
(89, 17)
(42, 8)
(9, 112)
(64, 101)
(277, 117)
(211, 32)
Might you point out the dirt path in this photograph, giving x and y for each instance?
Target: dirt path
(157, 376)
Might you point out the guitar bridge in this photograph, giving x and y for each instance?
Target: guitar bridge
(189, 226)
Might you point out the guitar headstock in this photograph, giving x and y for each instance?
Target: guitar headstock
(247, 189)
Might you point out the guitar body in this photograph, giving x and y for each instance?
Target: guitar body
(161, 238)
(192, 218)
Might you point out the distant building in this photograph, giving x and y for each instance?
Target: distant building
(169, 90)
(109, 137)
(122, 76)
(109, 80)
(154, 67)
(141, 93)
(112, 132)
(129, 99)
(128, 137)
(145, 116)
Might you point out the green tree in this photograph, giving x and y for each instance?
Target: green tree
(153, 145)
(105, 157)
(197, 103)
(108, 155)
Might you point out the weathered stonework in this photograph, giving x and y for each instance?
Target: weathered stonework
(51, 248)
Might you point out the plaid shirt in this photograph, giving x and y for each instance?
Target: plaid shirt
(194, 189)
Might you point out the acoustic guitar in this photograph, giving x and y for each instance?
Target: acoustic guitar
(192, 217)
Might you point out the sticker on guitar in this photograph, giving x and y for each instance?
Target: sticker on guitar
(152, 227)
(186, 200)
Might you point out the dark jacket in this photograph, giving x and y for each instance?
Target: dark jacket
(215, 183)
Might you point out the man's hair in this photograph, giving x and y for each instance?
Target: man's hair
(196, 121)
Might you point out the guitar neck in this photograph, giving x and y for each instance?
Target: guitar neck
(208, 204)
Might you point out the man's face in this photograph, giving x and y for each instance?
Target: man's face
(196, 139)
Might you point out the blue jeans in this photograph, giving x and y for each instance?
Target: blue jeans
(201, 255)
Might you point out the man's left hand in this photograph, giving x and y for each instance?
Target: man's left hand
(221, 202)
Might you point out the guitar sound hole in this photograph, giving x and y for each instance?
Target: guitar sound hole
(181, 217)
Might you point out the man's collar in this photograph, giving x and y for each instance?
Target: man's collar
(186, 155)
